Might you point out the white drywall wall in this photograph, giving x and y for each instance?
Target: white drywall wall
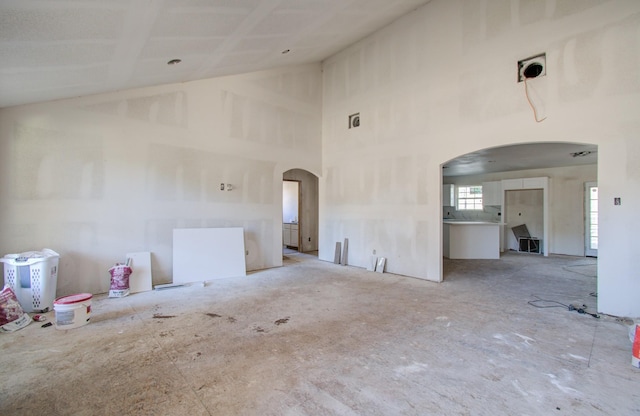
(100, 176)
(441, 82)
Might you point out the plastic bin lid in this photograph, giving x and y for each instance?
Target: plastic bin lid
(45, 252)
(67, 300)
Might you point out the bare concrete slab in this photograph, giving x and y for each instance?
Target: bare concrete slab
(315, 338)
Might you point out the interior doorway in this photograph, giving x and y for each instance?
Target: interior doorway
(290, 214)
(591, 219)
(300, 212)
(523, 207)
(497, 170)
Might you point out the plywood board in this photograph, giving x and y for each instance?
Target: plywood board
(140, 279)
(203, 254)
(345, 250)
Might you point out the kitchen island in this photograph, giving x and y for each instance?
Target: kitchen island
(470, 239)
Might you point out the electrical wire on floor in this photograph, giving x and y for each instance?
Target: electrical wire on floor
(526, 93)
(555, 304)
(568, 268)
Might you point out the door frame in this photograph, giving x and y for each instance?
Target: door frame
(299, 220)
(588, 251)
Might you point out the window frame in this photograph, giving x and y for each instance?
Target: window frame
(471, 202)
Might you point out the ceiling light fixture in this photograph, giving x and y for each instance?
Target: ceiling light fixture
(174, 62)
(581, 154)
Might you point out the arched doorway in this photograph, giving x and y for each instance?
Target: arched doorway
(506, 179)
(300, 214)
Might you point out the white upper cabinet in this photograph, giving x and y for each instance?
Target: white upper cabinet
(491, 193)
(525, 183)
(534, 183)
(448, 195)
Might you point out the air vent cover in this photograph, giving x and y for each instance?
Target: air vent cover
(533, 67)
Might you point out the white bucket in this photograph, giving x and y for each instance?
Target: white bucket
(72, 311)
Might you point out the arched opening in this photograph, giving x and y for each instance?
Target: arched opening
(300, 212)
(540, 186)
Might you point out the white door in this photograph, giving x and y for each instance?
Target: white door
(591, 219)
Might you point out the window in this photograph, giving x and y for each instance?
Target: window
(469, 197)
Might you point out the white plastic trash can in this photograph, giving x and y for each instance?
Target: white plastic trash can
(33, 277)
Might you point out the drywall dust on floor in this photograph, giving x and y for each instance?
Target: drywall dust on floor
(315, 338)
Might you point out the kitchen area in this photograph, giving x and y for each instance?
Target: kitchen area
(481, 228)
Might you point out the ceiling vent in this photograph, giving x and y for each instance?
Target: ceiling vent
(581, 154)
(533, 67)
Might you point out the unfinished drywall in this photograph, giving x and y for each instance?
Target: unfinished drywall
(441, 82)
(96, 177)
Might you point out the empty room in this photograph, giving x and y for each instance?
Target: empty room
(428, 205)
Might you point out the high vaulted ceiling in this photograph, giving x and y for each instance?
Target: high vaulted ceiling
(53, 49)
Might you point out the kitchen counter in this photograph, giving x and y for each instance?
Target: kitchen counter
(469, 222)
(470, 239)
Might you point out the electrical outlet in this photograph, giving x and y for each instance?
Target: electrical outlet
(374, 251)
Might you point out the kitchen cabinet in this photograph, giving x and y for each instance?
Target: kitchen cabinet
(290, 234)
(448, 195)
(525, 183)
(508, 184)
(471, 239)
(534, 183)
(491, 193)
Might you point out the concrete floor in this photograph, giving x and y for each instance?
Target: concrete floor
(314, 338)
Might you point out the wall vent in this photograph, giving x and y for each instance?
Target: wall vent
(533, 67)
(354, 120)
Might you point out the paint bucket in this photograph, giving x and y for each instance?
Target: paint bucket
(635, 357)
(72, 311)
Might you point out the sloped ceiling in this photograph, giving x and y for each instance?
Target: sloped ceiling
(67, 48)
